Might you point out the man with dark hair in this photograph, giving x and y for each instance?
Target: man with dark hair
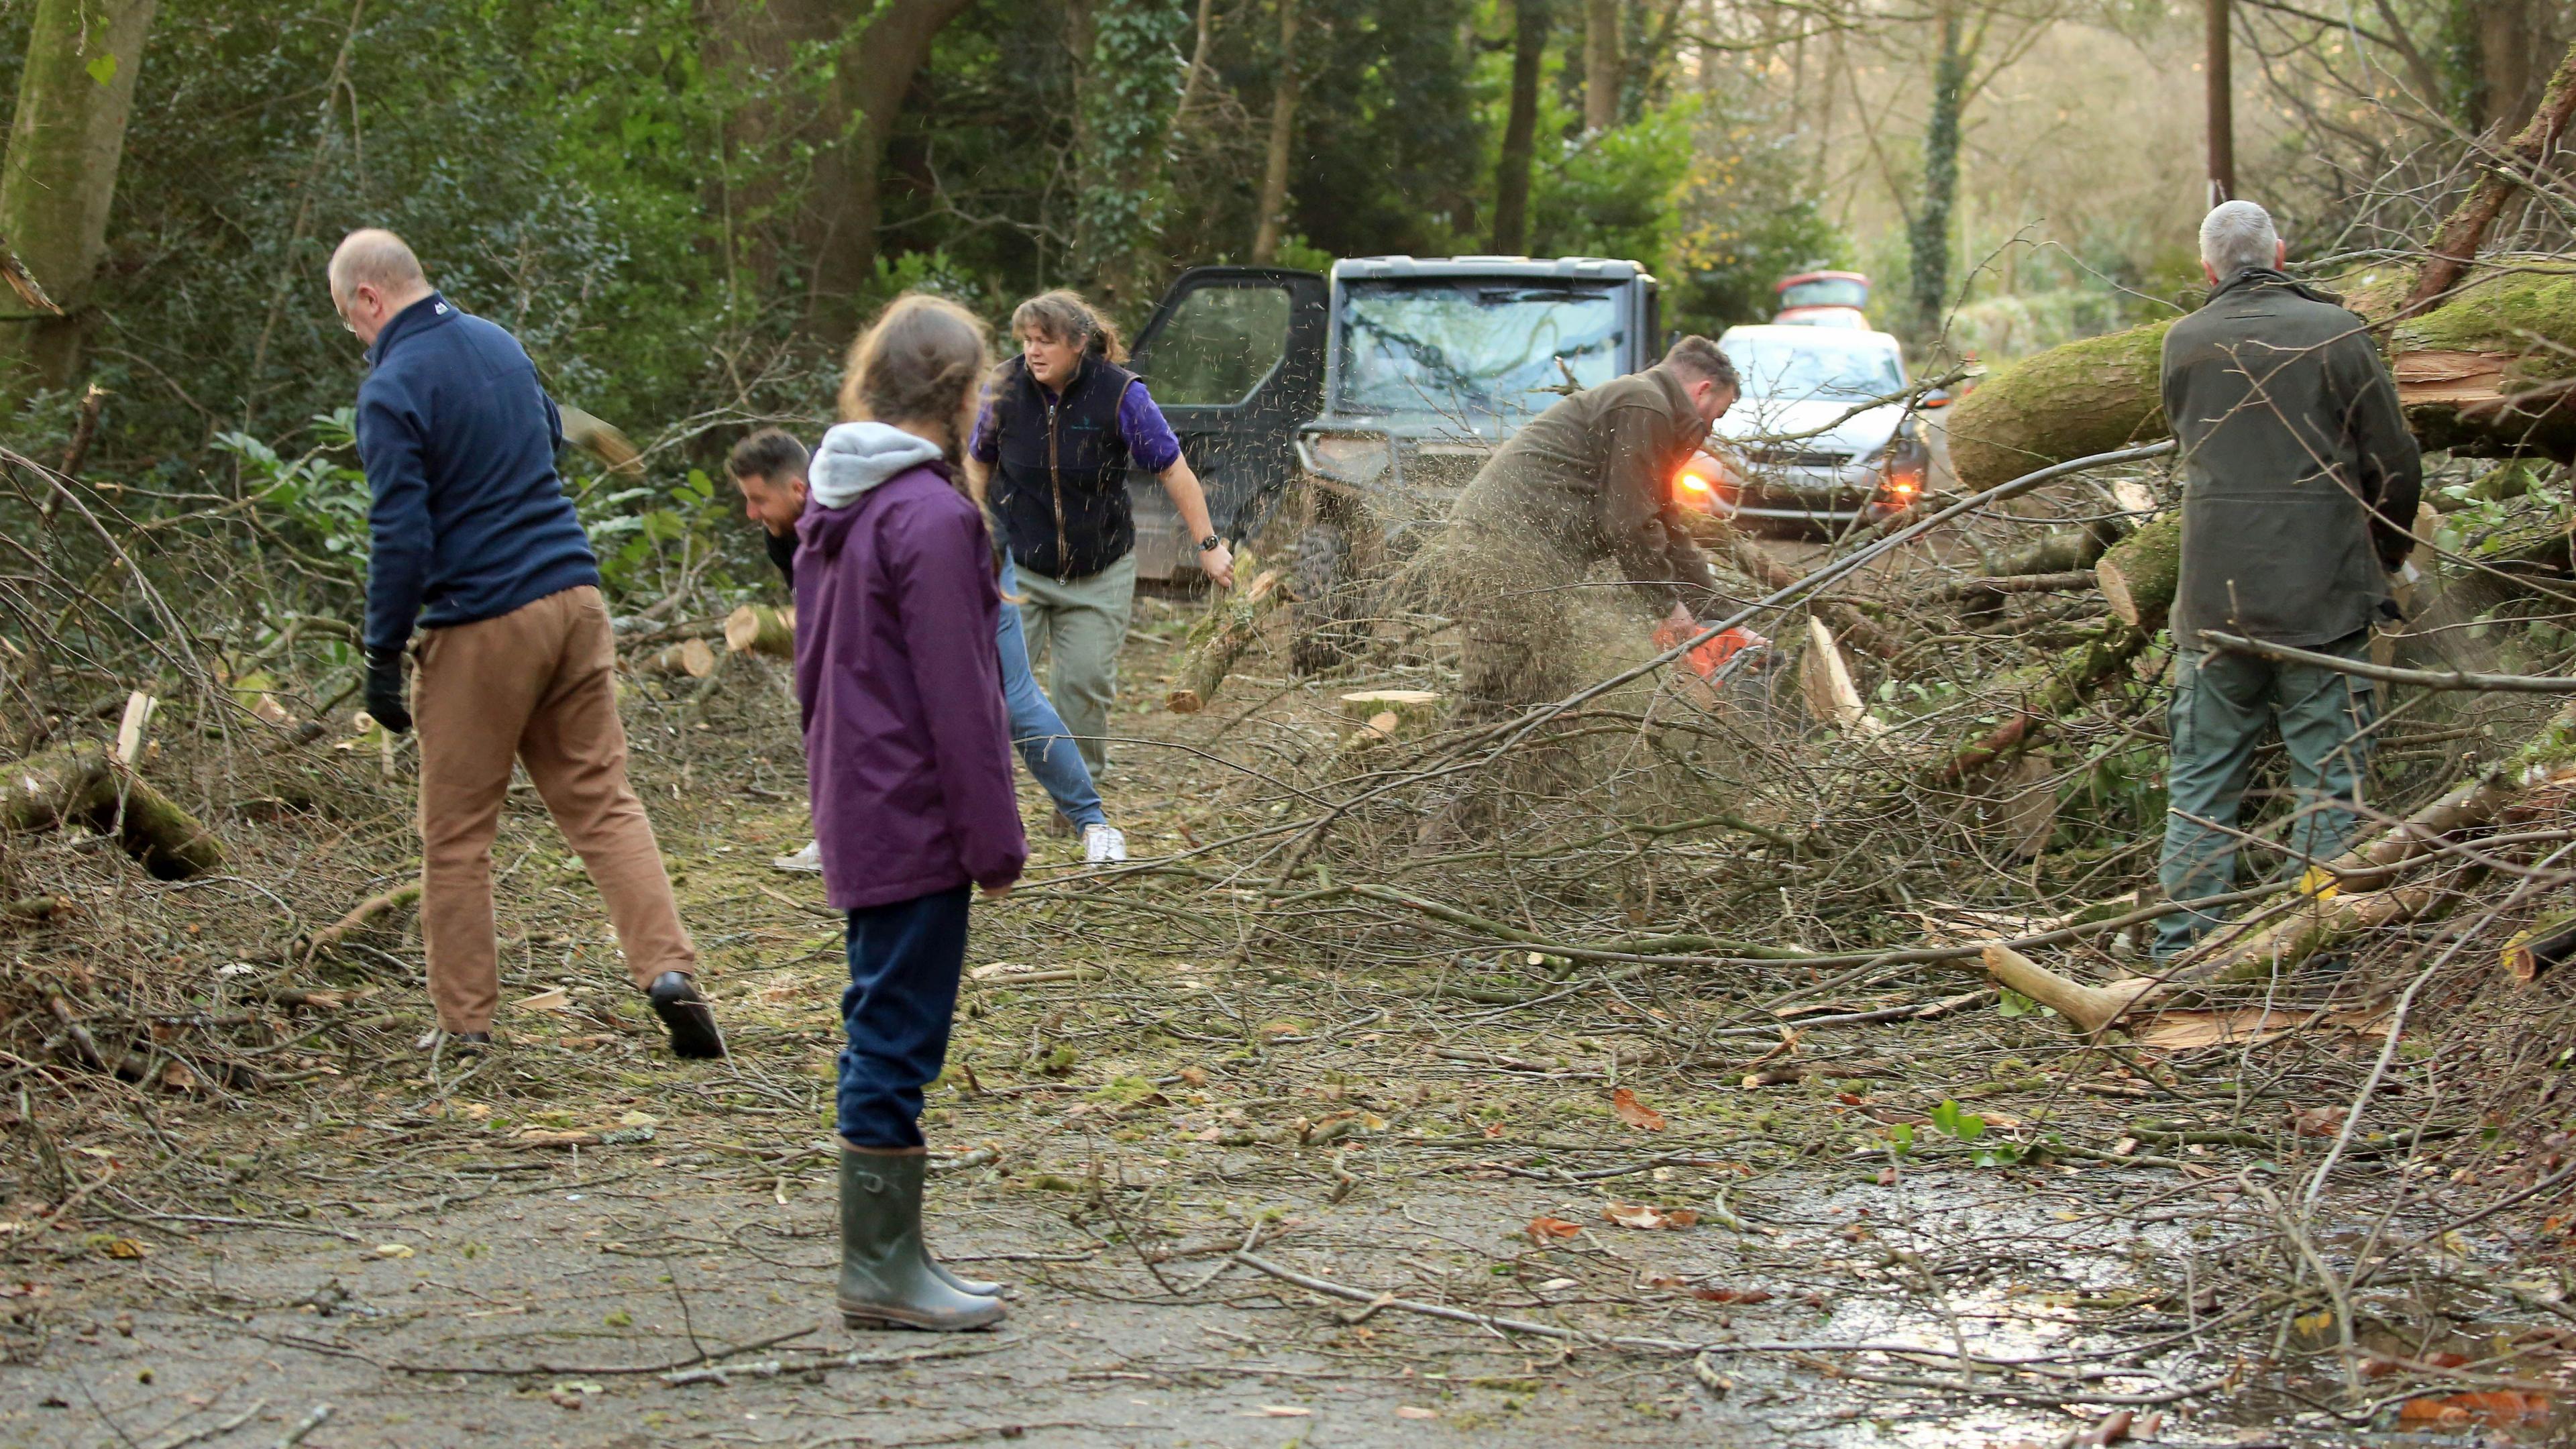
(473, 541)
(769, 468)
(1588, 481)
(2300, 483)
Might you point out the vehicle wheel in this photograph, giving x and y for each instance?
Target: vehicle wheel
(1327, 605)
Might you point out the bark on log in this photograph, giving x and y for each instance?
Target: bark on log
(1219, 638)
(359, 915)
(82, 782)
(2061, 551)
(2484, 373)
(2138, 577)
(759, 629)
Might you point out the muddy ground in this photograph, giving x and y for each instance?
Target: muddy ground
(1147, 1136)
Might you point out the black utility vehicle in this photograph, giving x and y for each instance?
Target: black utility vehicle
(1365, 402)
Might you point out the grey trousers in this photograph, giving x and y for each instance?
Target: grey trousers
(1076, 627)
(2221, 704)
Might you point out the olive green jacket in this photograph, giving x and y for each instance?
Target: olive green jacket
(2300, 478)
(1592, 476)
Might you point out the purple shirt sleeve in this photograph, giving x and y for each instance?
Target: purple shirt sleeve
(944, 570)
(981, 445)
(1150, 442)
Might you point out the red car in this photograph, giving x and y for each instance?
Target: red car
(1823, 299)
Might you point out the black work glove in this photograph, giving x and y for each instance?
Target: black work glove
(385, 689)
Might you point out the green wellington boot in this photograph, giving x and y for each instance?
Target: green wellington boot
(887, 1279)
(980, 1287)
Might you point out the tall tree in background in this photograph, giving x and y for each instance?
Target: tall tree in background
(1602, 68)
(846, 121)
(1530, 21)
(59, 179)
(1129, 86)
(1930, 227)
(1273, 206)
(2219, 76)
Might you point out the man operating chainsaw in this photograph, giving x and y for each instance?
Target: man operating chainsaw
(1585, 482)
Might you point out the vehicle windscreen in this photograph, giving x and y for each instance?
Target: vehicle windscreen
(1825, 292)
(1470, 349)
(1787, 371)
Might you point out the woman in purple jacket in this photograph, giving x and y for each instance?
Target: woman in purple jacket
(908, 753)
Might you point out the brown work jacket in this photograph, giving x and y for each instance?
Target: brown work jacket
(1593, 476)
(2300, 478)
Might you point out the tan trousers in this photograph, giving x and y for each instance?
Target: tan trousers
(537, 684)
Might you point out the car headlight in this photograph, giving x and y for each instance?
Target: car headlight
(1354, 458)
(1706, 484)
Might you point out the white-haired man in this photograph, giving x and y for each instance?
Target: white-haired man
(472, 540)
(2300, 481)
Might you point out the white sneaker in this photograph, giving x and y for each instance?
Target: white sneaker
(808, 861)
(1103, 845)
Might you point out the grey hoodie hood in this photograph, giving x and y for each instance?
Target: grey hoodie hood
(856, 457)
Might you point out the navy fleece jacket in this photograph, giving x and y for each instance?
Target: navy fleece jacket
(458, 439)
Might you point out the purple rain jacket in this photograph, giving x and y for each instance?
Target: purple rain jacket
(907, 745)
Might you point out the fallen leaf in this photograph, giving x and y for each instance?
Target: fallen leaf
(2491, 1406)
(1732, 1295)
(1635, 1113)
(1194, 1076)
(1285, 1411)
(1408, 1411)
(1638, 1215)
(2316, 1121)
(393, 1250)
(1543, 1227)
(639, 1119)
(554, 999)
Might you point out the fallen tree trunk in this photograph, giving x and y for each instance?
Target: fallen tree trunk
(2484, 373)
(1219, 638)
(83, 782)
(2451, 254)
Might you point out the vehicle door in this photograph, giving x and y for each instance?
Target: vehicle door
(1235, 358)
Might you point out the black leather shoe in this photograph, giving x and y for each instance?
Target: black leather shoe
(685, 1014)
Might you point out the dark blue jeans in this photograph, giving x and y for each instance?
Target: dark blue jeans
(905, 959)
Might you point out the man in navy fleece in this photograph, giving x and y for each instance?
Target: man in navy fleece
(473, 541)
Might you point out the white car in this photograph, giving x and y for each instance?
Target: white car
(1808, 442)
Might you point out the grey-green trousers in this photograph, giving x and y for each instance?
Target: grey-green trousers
(2221, 703)
(1077, 627)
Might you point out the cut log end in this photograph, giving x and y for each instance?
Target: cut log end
(759, 629)
(1184, 701)
(690, 658)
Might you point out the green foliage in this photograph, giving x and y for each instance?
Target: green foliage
(1749, 216)
(1127, 99)
(322, 501)
(1613, 193)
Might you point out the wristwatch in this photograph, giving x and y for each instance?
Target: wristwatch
(1211, 541)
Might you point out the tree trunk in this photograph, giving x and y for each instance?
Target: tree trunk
(1931, 225)
(1520, 129)
(849, 128)
(1601, 65)
(2222, 103)
(2489, 373)
(1283, 130)
(59, 178)
(759, 629)
(2458, 244)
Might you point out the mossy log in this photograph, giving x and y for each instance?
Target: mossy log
(1388, 710)
(1219, 638)
(2138, 576)
(759, 629)
(2058, 551)
(83, 782)
(2487, 373)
